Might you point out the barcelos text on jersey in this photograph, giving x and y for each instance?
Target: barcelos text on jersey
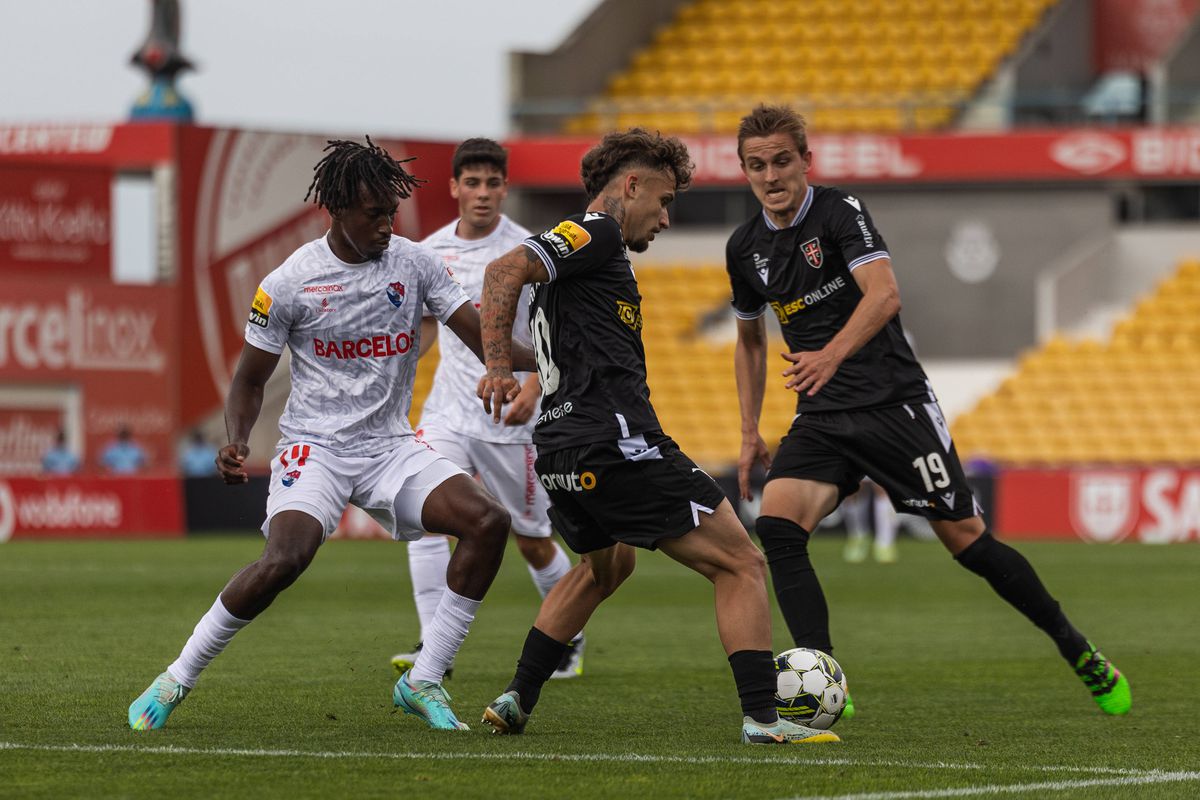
(382, 345)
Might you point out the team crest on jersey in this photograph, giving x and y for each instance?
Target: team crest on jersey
(630, 314)
(290, 477)
(566, 237)
(260, 308)
(812, 253)
(395, 293)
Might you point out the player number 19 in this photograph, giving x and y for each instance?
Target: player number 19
(933, 471)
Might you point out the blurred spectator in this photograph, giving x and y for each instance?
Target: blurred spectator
(59, 460)
(123, 456)
(198, 458)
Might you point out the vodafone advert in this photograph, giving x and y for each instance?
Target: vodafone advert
(1148, 505)
(95, 508)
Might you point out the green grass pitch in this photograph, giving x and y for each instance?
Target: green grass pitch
(958, 696)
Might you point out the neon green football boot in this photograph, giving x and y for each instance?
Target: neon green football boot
(1109, 688)
(848, 711)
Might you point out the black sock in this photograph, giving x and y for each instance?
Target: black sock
(797, 589)
(754, 674)
(1013, 578)
(539, 659)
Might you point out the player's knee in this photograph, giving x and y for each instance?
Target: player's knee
(277, 571)
(609, 576)
(493, 522)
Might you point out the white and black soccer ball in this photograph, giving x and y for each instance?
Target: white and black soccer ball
(810, 687)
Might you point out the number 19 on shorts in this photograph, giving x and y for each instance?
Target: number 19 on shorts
(933, 471)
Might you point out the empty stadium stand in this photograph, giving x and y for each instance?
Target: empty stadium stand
(1128, 400)
(870, 65)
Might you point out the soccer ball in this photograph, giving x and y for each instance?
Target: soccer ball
(810, 687)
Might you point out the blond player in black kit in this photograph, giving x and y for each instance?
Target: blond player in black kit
(864, 406)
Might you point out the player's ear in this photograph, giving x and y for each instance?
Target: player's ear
(631, 184)
(454, 188)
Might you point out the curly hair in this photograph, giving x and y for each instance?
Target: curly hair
(765, 120)
(479, 152)
(635, 147)
(338, 176)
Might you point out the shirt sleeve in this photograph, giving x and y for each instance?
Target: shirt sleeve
(855, 233)
(443, 294)
(573, 245)
(748, 303)
(270, 320)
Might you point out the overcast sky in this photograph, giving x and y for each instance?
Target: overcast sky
(427, 68)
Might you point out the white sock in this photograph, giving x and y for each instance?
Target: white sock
(212, 633)
(545, 578)
(885, 522)
(428, 558)
(443, 636)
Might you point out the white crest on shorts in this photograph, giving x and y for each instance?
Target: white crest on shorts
(1102, 505)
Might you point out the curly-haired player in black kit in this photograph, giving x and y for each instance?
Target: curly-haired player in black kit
(615, 480)
(864, 406)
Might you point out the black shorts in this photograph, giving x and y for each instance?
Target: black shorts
(637, 491)
(905, 449)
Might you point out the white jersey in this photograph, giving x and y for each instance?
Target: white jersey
(452, 404)
(354, 333)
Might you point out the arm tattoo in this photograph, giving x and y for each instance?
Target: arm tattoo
(502, 282)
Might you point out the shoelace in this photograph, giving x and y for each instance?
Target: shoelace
(432, 692)
(1097, 674)
(175, 695)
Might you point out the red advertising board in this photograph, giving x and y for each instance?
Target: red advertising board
(1135, 34)
(1151, 505)
(242, 212)
(26, 433)
(114, 146)
(114, 346)
(55, 220)
(91, 508)
(1061, 155)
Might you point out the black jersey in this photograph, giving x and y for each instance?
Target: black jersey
(586, 324)
(803, 273)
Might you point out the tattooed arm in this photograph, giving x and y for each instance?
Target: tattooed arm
(502, 282)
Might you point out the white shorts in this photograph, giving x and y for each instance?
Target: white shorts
(505, 470)
(391, 487)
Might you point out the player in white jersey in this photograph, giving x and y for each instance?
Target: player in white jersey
(349, 307)
(452, 421)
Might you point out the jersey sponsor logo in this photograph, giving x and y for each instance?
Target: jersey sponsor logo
(395, 293)
(326, 288)
(761, 266)
(785, 311)
(325, 308)
(868, 237)
(568, 481)
(918, 502)
(290, 477)
(260, 308)
(630, 314)
(852, 200)
(812, 253)
(567, 237)
(558, 412)
(381, 345)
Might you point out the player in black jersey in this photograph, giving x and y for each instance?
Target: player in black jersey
(864, 406)
(615, 480)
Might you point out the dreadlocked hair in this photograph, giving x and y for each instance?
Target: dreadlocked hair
(337, 177)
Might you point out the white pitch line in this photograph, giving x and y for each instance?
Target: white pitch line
(1018, 788)
(621, 758)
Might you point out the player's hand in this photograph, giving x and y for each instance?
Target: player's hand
(230, 462)
(754, 450)
(495, 389)
(522, 408)
(810, 371)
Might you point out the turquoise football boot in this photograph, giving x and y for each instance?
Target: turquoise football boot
(505, 714)
(427, 700)
(150, 711)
